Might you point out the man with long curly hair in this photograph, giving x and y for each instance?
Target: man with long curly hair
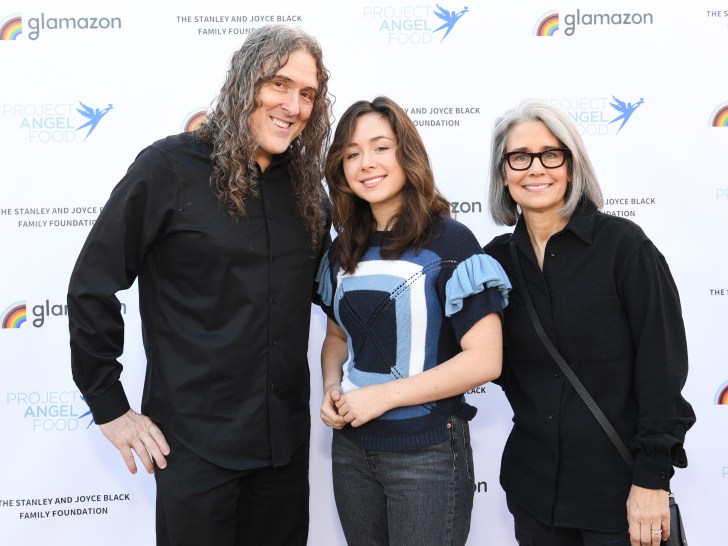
(224, 228)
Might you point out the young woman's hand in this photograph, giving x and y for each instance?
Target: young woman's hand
(361, 405)
(329, 413)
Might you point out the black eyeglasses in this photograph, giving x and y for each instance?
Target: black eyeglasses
(551, 159)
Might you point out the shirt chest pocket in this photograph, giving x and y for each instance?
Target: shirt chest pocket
(596, 329)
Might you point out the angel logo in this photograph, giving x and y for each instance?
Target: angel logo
(89, 415)
(93, 115)
(626, 110)
(450, 18)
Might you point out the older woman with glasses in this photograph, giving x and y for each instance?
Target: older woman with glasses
(606, 299)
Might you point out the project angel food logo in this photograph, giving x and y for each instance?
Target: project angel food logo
(415, 24)
(49, 411)
(56, 123)
(625, 110)
(37, 26)
(600, 116)
(720, 116)
(553, 23)
(11, 28)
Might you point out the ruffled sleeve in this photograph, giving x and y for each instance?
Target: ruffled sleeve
(471, 276)
(323, 278)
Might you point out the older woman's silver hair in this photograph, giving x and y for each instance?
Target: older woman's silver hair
(582, 178)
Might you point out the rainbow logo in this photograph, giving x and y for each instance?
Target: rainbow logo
(11, 28)
(721, 397)
(720, 117)
(194, 120)
(14, 316)
(548, 24)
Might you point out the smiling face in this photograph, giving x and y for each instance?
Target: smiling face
(537, 190)
(285, 105)
(371, 167)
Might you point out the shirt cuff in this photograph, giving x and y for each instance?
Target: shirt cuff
(652, 476)
(108, 406)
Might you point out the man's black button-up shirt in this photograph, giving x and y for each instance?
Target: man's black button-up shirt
(225, 306)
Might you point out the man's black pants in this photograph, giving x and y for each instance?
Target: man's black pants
(202, 504)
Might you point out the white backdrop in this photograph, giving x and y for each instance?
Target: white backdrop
(138, 71)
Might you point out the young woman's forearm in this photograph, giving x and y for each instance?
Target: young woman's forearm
(479, 362)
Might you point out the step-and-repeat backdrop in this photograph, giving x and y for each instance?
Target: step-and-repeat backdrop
(86, 85)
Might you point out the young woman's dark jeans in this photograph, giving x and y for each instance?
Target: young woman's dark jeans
(405, 498)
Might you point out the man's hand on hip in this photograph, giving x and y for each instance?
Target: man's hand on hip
(135, 432)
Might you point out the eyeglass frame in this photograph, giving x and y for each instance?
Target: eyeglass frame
(507, 158)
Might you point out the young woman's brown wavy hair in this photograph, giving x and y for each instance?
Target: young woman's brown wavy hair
(422, 203)
(227, 127)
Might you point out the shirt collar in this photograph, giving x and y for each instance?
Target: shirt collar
(275, 162)
(582, 221)
(580, 224)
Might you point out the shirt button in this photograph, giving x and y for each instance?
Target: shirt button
(275, 300)
(275, 344)
(551, 416)
(274, 257)
(557, 374)
(272, 387)
(552, 253)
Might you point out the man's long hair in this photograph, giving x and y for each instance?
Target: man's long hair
(227, 127)
(413, 226)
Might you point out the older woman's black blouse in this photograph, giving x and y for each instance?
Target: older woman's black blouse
(607, 300)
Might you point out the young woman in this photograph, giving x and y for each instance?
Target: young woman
(414, 312)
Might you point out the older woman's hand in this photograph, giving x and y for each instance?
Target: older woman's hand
(648, 515)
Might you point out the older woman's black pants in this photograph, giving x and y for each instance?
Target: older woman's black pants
(532, 532)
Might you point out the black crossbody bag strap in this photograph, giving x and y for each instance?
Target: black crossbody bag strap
(566, 369)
